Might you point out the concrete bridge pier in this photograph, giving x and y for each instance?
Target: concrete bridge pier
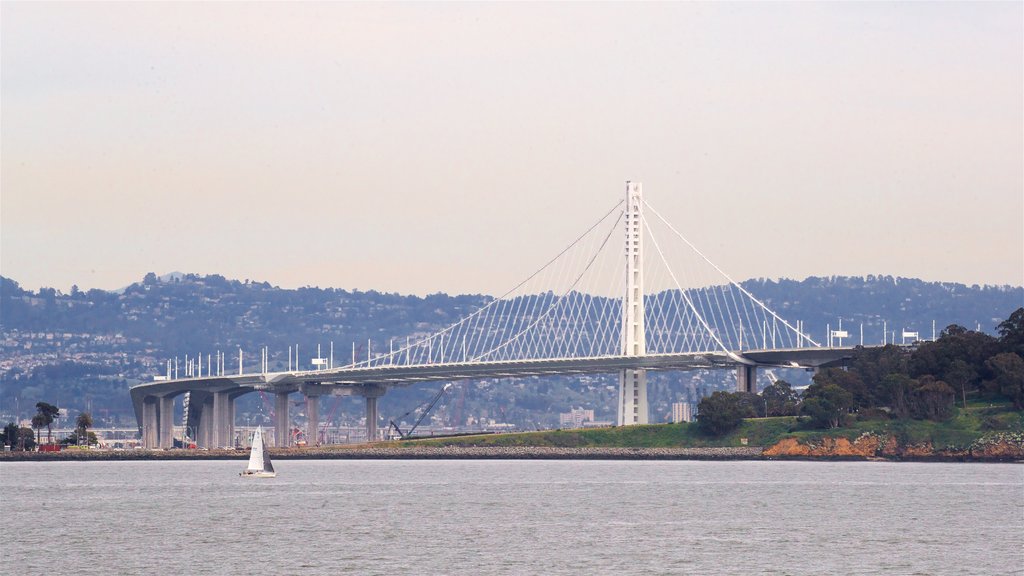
(166, 416)
(281, 421)
(206, 418)
(150, 436)
(223, 419)
(312, 418)
(746, 378)
(371, 393)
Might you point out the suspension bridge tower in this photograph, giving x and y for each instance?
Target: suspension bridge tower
(633, 383)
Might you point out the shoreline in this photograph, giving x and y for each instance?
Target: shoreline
(399, 453)
(749, 453)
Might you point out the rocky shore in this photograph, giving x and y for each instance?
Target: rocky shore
(998, 447)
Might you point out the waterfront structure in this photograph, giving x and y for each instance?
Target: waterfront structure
(566, 329)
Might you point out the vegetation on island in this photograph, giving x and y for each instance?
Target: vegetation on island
(890, 383)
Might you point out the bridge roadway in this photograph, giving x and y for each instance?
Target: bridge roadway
(211, 405)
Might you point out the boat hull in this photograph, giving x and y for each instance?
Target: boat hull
(257, 474)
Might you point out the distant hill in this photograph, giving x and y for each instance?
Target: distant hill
(83, 349)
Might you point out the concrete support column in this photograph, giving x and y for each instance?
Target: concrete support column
(371, 392)
(746, 378)
(632, 397)
(281, 420)
(206, 419)
(371, 419)
(313, 419)
(167, 422)
(223, 420)
(150, 438)
(229, 420)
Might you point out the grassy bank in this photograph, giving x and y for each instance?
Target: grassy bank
(964, 428)
(757, 432)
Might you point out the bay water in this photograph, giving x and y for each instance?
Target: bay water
(410, 517)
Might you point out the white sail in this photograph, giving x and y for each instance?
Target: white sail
(259, 460)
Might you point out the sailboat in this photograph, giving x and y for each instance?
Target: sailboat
(259, 460)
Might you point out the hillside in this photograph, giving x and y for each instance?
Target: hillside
(83, 349)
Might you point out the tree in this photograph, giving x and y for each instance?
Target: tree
(1011, 332)
(859, 394)
(76, 439)
(898, 387)
(719, 413)
(38, 421)
(955, 343)
(781, 399)
(959, 375)
(1008, 376)
(26, 439)
(48, 413)
(826, 404)
(933, 399)
(872, 365)
(82, 423)
(751, 405)
(9, 436)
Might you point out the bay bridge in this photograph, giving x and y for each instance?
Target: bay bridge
(595, 308)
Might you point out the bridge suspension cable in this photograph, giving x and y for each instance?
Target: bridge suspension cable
(573, 306)
(744, 306)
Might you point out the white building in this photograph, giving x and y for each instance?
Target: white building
(682, 412)
(575, 418)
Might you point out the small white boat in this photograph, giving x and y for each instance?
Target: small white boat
(259, 460)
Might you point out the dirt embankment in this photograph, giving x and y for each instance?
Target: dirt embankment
(994, 447)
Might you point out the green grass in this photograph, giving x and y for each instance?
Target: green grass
(758, 432)
(966, 426)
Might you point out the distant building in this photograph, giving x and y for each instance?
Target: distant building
(575, 418)
(682, 412)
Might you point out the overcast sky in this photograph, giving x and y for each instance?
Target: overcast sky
(457, 147)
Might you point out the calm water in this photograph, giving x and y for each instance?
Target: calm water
(512, 517)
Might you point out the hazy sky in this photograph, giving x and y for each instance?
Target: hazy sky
(457, 147)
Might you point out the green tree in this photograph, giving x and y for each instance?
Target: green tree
(825, 405)
(38, 421)
(781, 399)
(26, 439)
(961, 375)
(719, 413)
(82, 424)
(955, 343)
(48, 413)
(751, 405)
(9, 436)
(76, 439)
(933, 399)
(1008, 376)
(899, 388)
(850, 381)
(1011, 332)
(872, 365)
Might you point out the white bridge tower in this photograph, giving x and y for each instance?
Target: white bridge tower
(633, 383)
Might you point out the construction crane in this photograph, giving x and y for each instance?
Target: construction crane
(423, 416)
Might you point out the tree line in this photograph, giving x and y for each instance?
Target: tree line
(923, 383)
(19, 438)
